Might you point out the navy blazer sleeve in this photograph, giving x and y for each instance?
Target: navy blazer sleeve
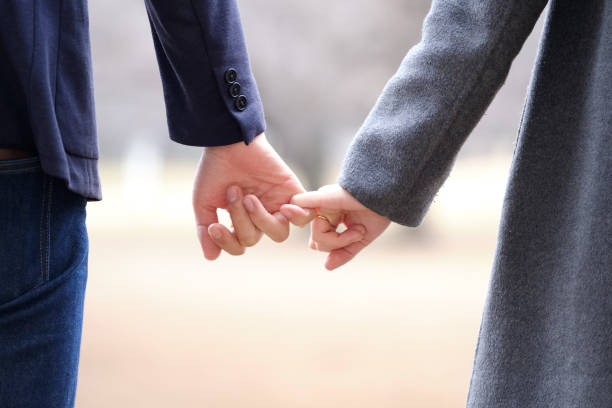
(210, 93)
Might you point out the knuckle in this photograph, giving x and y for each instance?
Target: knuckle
(326, 246)
(304, 220)
(248, 241)
(323, 248)
(346, 240)
(221, 241)
(237, 251)
(280, 237)
(318, 236)
(258, 219)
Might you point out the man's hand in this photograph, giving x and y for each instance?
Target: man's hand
(335, 205)
(226, 176)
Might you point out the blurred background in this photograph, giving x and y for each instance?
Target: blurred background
(396, 327)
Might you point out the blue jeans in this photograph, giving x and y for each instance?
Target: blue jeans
(43, 272)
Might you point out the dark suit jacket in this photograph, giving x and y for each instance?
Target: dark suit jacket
(46, 91)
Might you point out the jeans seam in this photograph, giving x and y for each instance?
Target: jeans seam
(45, 227)
(41, 235)
(48, 226)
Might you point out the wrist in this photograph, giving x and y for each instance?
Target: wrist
(237, 148)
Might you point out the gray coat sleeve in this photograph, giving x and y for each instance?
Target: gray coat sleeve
(405, 149)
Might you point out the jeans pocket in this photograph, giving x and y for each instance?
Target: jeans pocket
(25, 196)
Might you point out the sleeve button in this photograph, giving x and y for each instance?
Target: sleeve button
(234, 90)
(241, 103)
(231, 75)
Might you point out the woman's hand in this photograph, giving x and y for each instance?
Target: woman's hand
(336, 206)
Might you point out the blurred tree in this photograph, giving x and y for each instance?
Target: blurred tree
(321, 65)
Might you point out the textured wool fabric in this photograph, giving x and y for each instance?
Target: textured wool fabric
(546, 333)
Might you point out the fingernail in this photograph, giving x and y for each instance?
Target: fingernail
(307, 212)
(215, 232)
(232, 194)
(248, 204)
(285, 212)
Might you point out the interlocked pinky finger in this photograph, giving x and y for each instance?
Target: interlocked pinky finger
(274, 225)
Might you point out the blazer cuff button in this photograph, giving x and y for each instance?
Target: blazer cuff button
(234, 90)
(241, 103)
(231, 75)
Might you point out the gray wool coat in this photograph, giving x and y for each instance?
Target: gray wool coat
(546, 333)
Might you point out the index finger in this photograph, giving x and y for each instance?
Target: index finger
(297, 215)
(316, 199)
(331, 196)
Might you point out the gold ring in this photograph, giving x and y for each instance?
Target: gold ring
(322, 217)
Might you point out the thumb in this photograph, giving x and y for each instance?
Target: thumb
(205, 216)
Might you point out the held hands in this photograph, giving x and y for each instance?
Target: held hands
(334, 206)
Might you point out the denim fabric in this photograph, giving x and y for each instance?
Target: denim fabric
(43, 272)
